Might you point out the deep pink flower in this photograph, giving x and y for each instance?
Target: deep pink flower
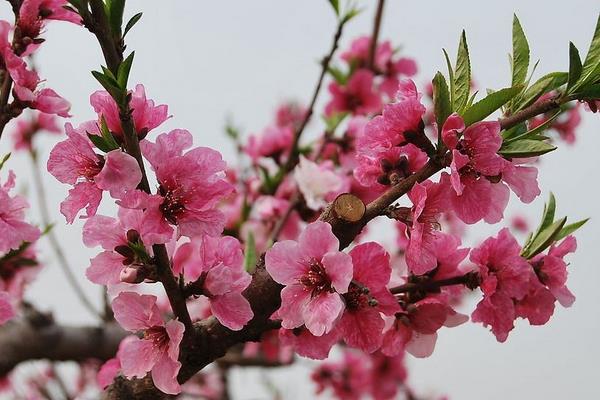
(73, 161)
(388, 375)
(6, 309)
(16, 66)
(356, 97)
(13, 228)
(33, 13)
(389, 166)
(158, 350)
(290, 114)
(361, 325)
(45, 100)
(120, 238)
(146, 116)
(217, 264)
(429, 200)
(191, 185)
(26, 129)
(350, 378)
(315, 274)
(387, 130)
(308, 345)
(551, 270)
(505, 278)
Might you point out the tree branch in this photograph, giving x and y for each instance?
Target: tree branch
(375, 35)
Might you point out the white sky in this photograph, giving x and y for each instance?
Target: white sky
(208, 60)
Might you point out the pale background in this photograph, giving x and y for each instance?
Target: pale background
(208, 60)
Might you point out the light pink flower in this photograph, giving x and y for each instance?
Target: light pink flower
(429, 200)
(158, 350)
(26, 129)
(315, 274)
(191, 185)
(146, 116)
(361, 325)
(216, 264)
(13, 228)
(356, 97)
(317, 183)
(33, 13)
(73, 161)
(6, 309)
(274, 142)
(505, 278)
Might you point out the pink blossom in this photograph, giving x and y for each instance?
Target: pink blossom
(317, 183)
(350, 378)
(388, 375)
(356, 97)
(274, 142)
(158, 350)
(505, 278)
(26, 129)
(387, 130)
(308, 345)
(290, 114)
(315, 274)
(361, 324)
(109, 370)
(6, 309)
(551, 270)
(45, 100)
(389, 166)
(33, 13)
(13, 228)
(122, 240)
(429, 200)
(216, 264)
(16, 66)
(73, 161)
(146, 116)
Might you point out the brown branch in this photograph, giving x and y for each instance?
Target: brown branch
(533, 110)
(470, 280)
(37, 337)
(375, 35)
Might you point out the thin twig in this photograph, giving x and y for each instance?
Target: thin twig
(375, 35)
(470, 279)
(52, 239)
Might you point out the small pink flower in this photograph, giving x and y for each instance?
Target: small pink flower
(357, 97)
(315, 274)
(217, 265)
(389, 166)
(6, 309)
(350, 378)
(73, 161)
(505, 278)
(274, 142)
(26, 129)
(551, 270)
(119, 238)
(158, 350)
(429, 200)
(33, 13)
(361, 324)
(146, 116)
(290, 114)
(308, 345)
(13, 228)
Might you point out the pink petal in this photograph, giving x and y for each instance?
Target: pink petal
(137, 357)
(321, 312)
(105, 268)
(6, 309)
(83, 195)
(316, 240)
(293, 301)
(136, 312)
(338, 266)
(120, 173)
(284, 262)
(164, 375)
(232, 310)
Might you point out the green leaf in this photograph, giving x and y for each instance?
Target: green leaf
(131, 23)
(548, 215)
(525, 148)
(350, 14)
(515, 131)
(4, 160)
(535, 132)
(123, 72)
(109, 140)
(592, 59)
(250, 254)
(462, 75)
(568, 229)
(574, 66)
(334, 120)
(115, 9)
(520, 57)
(591, 92)
(99, 142)
(544, 239)
(441, 99)
(542, 86)
(111, 86)
(489, 104)
(335, 4)
(451, 78)
(337, 74)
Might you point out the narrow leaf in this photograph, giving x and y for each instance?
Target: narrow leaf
(545, 238)
(489, 104)
(250, 254)
(568, 229)
(592, 59)
(109, 140)
(131, 23)
(115, 15)
(574, 66)
(520, 57)
(462, 74)
(99, 142)
(441, 99)
(542, 86)
(525, 148)
(4, 160)
(335, 4)
(535, 132)
(451, 77)
(123, 72)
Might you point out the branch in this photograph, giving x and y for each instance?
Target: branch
(36, 336)
(470, 280)
(375, 35)
(533, 110)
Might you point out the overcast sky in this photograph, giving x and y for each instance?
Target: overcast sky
(210, 60)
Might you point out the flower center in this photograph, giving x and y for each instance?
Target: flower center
(358, 297)
(316, 279)
(92, 168)
(157, 335)
(173, 204)
(392, 173)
